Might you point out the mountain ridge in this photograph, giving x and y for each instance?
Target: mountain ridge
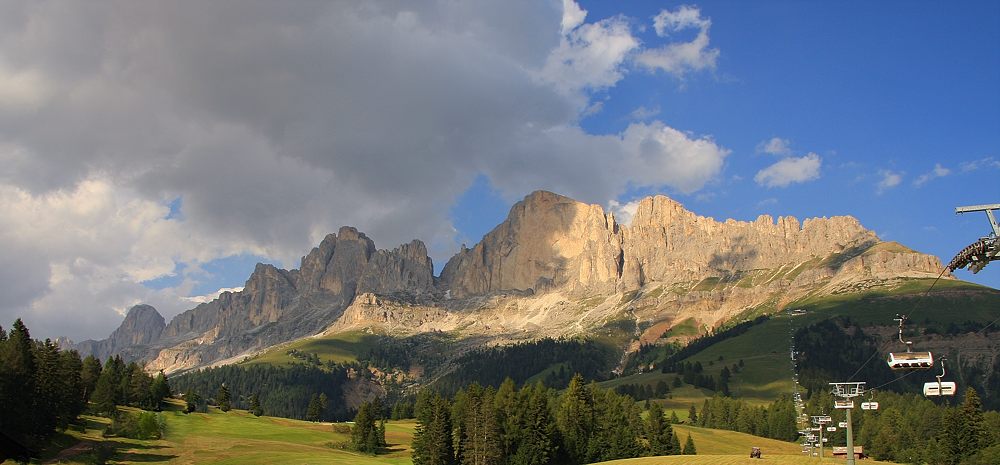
(531, 276)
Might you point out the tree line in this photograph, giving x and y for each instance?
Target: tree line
(910, 428)
(536, 425)
(835, 349)
(41, 389)
(290, 392)
(776, 420)
(490, 366)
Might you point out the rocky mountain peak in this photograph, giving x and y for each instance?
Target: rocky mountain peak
(141, 326)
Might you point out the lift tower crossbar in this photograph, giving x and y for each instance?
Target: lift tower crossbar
(848, 391)
(989, 213)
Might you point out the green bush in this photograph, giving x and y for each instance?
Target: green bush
(145, 425)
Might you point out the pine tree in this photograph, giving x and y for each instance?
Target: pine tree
(689, 447)
(366, 435)
(692, 415)
(970, 434)
(432, 442)
(159, 390)
(675, 444)
(324, 403)
(255, 405)
(89, 373)
(17, 374)
(575, 418)
(105, 396)
(537, 428)
(314, 409)
(191, 400)
(658, 432)
(224, 398)
(480, 443)
(141, 388)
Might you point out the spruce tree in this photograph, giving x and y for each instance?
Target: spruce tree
(191, 400)
(105, 396)
(224, 398)
(658, 432)
(17, 373)
(689, 447)
(89, 373)
(692, 415)
(368, 432)
(481, 444)
(159, 390)
(141, 388)
(575, 418)
(432, 441)
(537, 428)
(971, 432)
(314, 409)
(255, 405)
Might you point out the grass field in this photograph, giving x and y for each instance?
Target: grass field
(235, 437)
(341, 347)
(718, 447)
(740, 459)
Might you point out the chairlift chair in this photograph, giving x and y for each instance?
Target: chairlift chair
(940, 388)
(909, 359)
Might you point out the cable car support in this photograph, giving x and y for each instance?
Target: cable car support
(983, 251)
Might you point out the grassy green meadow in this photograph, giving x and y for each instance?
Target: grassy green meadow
(339, 348)
(234, 437)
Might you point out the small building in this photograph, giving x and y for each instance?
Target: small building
(841, 452)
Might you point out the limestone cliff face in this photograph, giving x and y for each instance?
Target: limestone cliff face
(141, 327)
(550, 241)
(280, 305)
(554, 267)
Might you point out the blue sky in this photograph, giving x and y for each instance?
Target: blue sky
(156, 152)
(876, 89)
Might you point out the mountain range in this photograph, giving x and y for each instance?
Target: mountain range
(554, 267)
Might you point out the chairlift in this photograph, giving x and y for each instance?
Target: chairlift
(909, 359)
(871, 404)
(940, 388)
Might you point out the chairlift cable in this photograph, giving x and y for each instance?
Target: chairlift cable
(886, 343)
(893, 381)
(878, 350)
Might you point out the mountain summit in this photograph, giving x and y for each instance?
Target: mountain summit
(553, 267)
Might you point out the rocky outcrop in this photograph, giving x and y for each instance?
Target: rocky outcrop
(550, 241)
(141, 327)
(547, 241)
(279, 305)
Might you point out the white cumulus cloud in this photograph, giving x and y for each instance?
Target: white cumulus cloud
(775, 146)
(889, 180)
(938, 172)
(623, 211)
(789, 171)
(679, 58)
(309, 116)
